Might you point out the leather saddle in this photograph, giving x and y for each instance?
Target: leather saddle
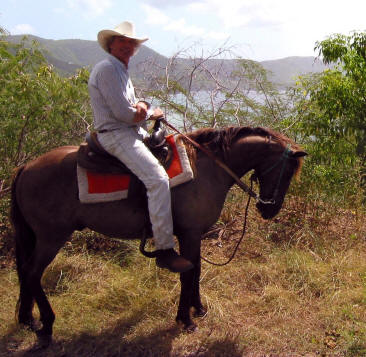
(92, 156)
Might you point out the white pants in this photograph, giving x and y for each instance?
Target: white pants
(128, 147)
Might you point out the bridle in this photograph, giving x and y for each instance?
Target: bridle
(283, 159)
(236, 178)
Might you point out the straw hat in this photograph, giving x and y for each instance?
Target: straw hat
(126, 29)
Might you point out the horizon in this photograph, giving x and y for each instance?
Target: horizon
(79, 39)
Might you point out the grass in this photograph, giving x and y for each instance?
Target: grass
(297, 287)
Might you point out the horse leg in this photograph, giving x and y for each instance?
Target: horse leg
(24, 247)
(200, 310)
(43, 255)
(25, 307)
(26, 301)
(190, 249)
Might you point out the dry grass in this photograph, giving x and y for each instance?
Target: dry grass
(296, 288)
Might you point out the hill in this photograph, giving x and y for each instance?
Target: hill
(68, 55)
(286, 69)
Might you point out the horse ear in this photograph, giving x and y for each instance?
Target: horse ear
(298, 154)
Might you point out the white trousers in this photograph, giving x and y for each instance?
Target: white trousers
(128, 147)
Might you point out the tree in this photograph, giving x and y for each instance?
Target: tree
(331, 110)
(344, 96)
(39, 110)
(199, 90)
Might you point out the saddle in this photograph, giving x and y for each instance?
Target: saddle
(103, 178)
(92, 156)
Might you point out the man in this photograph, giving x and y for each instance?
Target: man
(118, 118)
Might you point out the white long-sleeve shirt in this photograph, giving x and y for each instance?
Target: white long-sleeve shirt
(112, 95)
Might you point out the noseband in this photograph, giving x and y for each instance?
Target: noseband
(283, 160)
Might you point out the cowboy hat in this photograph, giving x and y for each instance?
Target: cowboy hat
(125, 29)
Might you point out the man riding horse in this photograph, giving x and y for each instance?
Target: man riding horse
(46, 210)
(119, 119)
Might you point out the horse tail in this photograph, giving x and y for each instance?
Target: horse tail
(25, 238)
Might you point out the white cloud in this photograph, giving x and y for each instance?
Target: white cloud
(281, 28)
(22, 29)
(219, 36)
(90, 7)
(241, 13)
(197, 7)
(180, 26)
(154, 16)
(183, 28)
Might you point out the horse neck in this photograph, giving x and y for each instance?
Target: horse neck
(247, 153)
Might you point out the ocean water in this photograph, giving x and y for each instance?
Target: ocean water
(204, 99)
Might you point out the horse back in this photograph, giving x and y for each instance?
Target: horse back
(58, 158)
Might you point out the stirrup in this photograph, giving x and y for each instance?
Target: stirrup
(152, 254)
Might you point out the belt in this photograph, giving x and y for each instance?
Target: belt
(108, 130)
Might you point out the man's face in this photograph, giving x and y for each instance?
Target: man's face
(123, 48)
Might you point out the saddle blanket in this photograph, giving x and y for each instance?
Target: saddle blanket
(101, 187)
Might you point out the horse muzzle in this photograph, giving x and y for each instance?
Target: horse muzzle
(268, 210)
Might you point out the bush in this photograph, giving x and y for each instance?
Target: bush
(39, 110)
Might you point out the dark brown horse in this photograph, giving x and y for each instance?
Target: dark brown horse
(46, 209)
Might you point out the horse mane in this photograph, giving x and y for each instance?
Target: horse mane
(222, 139)
(219, 141)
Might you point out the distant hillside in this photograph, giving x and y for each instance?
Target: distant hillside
(69, 55)
(286, 69)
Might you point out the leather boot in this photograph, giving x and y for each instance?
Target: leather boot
(170, 259)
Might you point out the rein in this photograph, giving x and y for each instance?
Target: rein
(238, 181)
(240, 239)
(241, 184)
(283, 158)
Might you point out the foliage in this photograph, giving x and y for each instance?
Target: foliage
(344, 91)
(331, 114)
(258, 102)
(39, 110)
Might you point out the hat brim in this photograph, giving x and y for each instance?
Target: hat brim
(105, 35)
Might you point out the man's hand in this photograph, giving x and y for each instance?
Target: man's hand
(157, 114)
(141, 111)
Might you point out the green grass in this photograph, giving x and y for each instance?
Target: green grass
(296, 287)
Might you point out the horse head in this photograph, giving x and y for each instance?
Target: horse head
(274, 158)
(274, 175)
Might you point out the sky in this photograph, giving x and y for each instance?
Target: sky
(254, 29)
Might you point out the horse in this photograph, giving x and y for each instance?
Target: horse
(45, 210)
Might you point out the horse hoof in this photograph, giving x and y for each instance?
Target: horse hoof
(188, 326)
(191, 328)
(43, 341)
(201, 312)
